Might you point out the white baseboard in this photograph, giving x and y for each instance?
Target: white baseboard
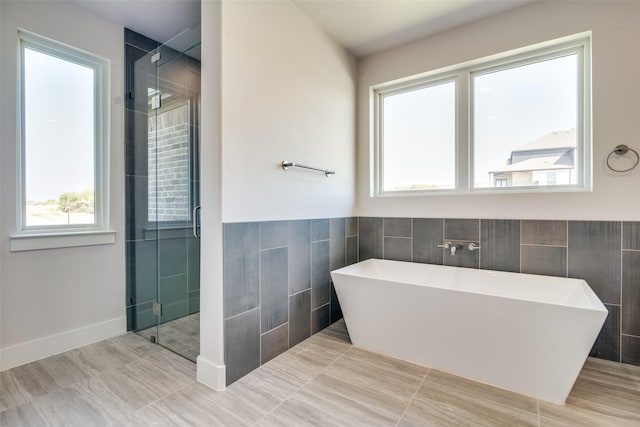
(210, 374)
(40, 348)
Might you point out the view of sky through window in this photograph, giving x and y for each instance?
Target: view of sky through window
(419, 134)
(59, 140)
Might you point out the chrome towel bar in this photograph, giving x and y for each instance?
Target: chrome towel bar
(287, 164)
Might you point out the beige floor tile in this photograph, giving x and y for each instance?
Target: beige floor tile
(584, 413)
(327, 342)
(338, 330)
(24, 415)
(64, 369)
(351, 403)
(183, 408)
(437, 405)
(87, 403)
(12, 392)
(610, 384)
(322, 381)
(281, 384)
(136, 344)
(247, 399)
(394, 378)
(296, 413)
(177, 364)
(140, 383)
(102, 357)
(304, 361)
(484, 391)
(31, 380)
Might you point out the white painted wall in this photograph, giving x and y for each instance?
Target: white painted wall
(211, 367)
(288, 93)
(616, 110)
(57, 299)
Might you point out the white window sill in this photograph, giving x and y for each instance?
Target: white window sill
(34, 242)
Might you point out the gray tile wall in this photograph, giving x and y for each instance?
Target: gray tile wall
(604, 253)
(277, 286)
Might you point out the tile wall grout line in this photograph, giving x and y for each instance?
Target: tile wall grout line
(629, 335)
(411, 234)
(259, 295)
(480, 243)
(566, 260)
(541, 245)
(275, 247)
(383, 245)
(244, 312)
(621, 276)
(310, 277)
(318, 308)
(273, 329)
(300, 292)
(520, 248)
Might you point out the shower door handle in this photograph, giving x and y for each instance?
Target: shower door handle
(195, 222)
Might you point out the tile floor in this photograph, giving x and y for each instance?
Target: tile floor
(180, 335)
(324, 381)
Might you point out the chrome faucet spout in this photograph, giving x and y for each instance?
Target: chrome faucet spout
(454, 248)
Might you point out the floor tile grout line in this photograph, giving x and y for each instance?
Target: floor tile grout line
(413, 397)
(33, 402)
(152, 402)
(617, 409)
(144, 359)
(92, 373)
(217, 405)
(481, 398)
(301, 387)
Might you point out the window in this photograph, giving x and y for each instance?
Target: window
(64, 138)
(419, 129)
(518, 121)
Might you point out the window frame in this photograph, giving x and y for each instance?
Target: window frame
(101, 88)
(579, 44)
(422, 83)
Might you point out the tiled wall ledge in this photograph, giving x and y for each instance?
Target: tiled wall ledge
(604, 253)
(277, 287)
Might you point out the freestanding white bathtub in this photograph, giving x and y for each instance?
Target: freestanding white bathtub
(525, 333)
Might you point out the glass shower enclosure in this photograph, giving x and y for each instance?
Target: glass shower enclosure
(164, 271)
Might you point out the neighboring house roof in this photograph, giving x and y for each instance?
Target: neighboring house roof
(534, 164)
(555, 139)
(553, 151)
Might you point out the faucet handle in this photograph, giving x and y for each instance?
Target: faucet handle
(473, 247)
(447, 245)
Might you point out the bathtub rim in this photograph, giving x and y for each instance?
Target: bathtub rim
(595, 303)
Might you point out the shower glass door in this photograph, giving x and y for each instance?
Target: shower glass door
(171, 84)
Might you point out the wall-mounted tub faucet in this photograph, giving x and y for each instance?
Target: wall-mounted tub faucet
(453, 247)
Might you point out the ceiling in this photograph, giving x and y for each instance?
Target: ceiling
(369, 26)
(159, 20)
(361, 26)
